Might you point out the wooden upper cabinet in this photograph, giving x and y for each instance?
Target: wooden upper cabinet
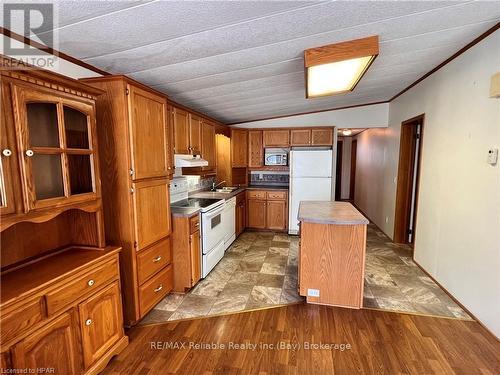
(100, 323)
(300, 137)
(322, 137)
(170, 140)
(255, 149)
(181, 131)
(195, 124)
(55, 345)
(276, 138)
(208, 143)
(148, 133)
(239, 147)
(151, 211)
(57, 147)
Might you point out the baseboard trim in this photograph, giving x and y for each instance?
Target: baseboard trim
(456, 300)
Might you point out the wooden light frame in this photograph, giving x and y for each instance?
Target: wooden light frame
(331, 53)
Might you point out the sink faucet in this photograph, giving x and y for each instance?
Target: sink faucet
(214, 186)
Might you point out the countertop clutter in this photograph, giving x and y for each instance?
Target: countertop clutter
(322, 212)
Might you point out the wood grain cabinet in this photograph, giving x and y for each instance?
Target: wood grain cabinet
(208, 144)
(300, 137)
(255, 149)
(135, 164)
(49, 160)
(195, 126)
(187, 253)
(276, 138)
(239, 147)
(322, 137)
(55, 345)
(267, 210)
(241, 213)
(180, 122)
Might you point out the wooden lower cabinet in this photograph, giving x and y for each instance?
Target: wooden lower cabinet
(186, 252)
(54, 346)
(267, 210)
(256, 213)
(241, 213)
(277, 213)
(101, 323)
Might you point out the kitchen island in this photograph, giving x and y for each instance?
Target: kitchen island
(332, 253)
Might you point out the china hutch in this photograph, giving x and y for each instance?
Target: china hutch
(60, 304)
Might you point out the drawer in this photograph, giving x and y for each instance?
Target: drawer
(20, 318)
(276, 195)
(194, 224)
(153, 259)
(256, 194)
(72, 290)
(153, 290)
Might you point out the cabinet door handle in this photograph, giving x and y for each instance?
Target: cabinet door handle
(157, 259)
(88, 322)
(91, 282)
(29, 153)
(6, 152)
(160, 287)
(197, 224)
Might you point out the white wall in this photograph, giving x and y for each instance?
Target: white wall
(63, 67)
(458, 222)
(370, 116)
(346, 167)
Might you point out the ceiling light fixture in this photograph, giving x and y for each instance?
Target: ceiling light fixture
(346, 132)
(337, 68)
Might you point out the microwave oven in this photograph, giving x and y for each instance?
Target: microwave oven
(275, 156)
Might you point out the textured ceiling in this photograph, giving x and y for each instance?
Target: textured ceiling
(242, 60)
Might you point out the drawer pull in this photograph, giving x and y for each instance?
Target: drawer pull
(159, 288)
(88, 322)
(91, 282)
(157, 259)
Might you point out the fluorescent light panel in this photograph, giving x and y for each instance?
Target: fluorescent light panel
(337, 77)
(337, 68)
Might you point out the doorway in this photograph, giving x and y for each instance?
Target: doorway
(338, 171)
(410, 151)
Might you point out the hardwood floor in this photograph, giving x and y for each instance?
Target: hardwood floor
(381, 342)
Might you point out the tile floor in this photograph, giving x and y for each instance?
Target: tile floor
(260, 270)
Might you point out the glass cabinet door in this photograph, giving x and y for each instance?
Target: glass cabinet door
(57, 147)
(7, 157)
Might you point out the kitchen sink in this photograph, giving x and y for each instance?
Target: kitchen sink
(226, 189)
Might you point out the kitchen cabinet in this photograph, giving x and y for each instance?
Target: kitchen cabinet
(208, 144)
(267, 209)
(239, 147)
(241, 213)
(276, 138)
(187, 254)
(322, 137)
(49, 160)
(300, 137)
(181, 131)
(195, 126)
(100, 323)
(255, 149)
(54, 345)
(136, 196)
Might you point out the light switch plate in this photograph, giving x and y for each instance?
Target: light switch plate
(492, 156)
(313, 292)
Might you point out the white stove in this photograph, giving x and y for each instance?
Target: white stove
(214, 224)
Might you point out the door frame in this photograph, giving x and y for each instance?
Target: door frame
(405, 180)
(352, 177)
(338, 176)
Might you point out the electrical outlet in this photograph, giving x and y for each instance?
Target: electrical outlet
(313, 292)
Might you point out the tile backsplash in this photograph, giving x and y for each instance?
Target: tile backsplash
(197, 183)
(269, 178)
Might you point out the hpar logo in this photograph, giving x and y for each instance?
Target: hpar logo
(36, 21)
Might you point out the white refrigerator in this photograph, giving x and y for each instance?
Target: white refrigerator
(310, 180)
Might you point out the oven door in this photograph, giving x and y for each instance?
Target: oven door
(213, 228)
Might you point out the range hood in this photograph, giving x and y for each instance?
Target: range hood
(184, 161)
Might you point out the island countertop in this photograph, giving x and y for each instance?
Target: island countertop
(330, 212)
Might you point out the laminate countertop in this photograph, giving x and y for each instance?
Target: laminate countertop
(330, 212)
(216, 195)
(184, 211)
